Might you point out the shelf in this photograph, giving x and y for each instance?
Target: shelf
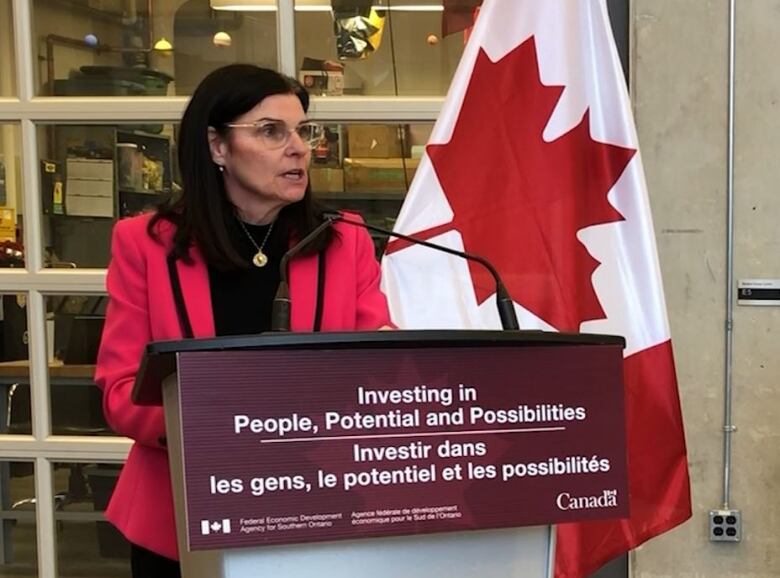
(81, 217)
(148, 192)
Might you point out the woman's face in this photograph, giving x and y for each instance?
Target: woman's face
(260, 177)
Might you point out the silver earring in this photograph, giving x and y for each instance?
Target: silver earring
(221, 168)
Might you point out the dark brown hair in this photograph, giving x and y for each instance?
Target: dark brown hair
(203, 214)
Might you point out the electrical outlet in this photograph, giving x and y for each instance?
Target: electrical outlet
(725, 526)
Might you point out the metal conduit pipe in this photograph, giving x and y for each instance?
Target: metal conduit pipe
(728, 427)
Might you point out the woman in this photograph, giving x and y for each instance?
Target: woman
(208, 264)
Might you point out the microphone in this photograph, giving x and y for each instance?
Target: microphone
(506, 308)
(280, 308)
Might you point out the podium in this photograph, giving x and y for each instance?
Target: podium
(393, 453)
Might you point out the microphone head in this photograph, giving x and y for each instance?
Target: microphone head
(331, 216)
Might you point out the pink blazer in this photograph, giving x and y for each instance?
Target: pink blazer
(141, 309)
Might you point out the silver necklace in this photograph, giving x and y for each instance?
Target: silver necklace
(260, 259)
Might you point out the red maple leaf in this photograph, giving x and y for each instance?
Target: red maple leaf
(518, 200)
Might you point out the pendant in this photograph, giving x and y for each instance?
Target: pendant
(260, 259)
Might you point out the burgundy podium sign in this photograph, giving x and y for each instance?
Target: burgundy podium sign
(286, 446)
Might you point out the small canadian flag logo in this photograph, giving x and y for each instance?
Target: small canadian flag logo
(215, 527)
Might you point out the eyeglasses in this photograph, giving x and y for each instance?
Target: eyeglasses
(275, 133)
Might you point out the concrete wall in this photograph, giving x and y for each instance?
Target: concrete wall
(679, 87)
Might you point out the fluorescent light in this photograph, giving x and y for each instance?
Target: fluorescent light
(305, 8)
(216, 5)
(269, 5)
(411, 8)
(312, 6)
(245, 5)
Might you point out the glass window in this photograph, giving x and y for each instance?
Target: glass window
(14, 365)
(375, 51)
(11, 249)
(7, 62)
(367, 168)
(18, 550)
(92, 175)
(15, 413)
(152, 48)
(87, 545)
(73, 329)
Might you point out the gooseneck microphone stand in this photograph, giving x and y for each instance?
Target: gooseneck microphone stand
(504, 303)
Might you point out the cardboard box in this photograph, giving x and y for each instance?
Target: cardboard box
(100, 169)
(322, 82)
(83, 206)
(7, 224)
(90, 188)
(326, 180)
(376, 141)
(380, 175)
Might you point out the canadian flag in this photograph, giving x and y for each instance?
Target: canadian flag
(215, 526)
(534, 164)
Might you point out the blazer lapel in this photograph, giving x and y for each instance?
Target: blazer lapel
(303, 292)
(197, 294)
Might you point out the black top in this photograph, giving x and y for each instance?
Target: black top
(241, 299)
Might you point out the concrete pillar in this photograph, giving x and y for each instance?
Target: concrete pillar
(680, 70)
